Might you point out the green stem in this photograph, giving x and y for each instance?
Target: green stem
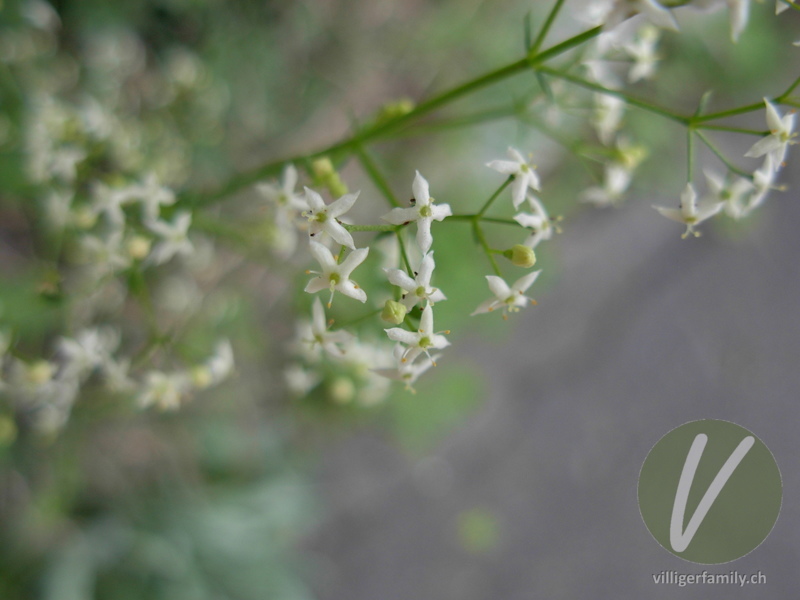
(403, 253)
(546, 27)
(733, 129)
(494, 196)
(476, 227)
(689, 154)
(377, 177)
(630, 100)
(392, 228)
(731, 167)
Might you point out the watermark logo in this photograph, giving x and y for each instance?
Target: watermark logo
(710, 491)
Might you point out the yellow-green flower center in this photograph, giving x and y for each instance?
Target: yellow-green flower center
(425, 342)
(334, 278)
(420, 291)
(425, 211)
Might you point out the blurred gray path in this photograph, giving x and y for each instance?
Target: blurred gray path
(642, 333)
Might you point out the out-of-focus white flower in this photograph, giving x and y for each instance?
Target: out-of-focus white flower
(216, 368)
(105, 254)
(524, 174)
(690, 213)
(423, 213)
(407, 372)
(781, 6)
(334, 276)
(616, 181)
(300, 381)
(607, 116)
(322, 217)
(542, 224)
(780, 138)
(510, 299)
(174, 238)
(165, 391)
(731, 194)
(643, 51)
(283, 195)
(763, 179)
(333, 342)
(90, 349)
(422, 340)
(419, 288)
(616, 12)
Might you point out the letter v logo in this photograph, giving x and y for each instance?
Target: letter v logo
(680, 539)
(709, 491)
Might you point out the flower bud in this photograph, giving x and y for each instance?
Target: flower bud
(325, 175)
(393, 312)
(521, 256)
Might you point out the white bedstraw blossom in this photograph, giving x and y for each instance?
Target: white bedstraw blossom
(615, 182)
(510, 299)
(218, 367)
(524, 174)
(690, 213)
(618, 11)
(322, 217)
(780, 138)
(543, 226)
(336, 277)
(607, 116)
(781, 6)
(419, 288)
(333, 342)
(423, 213)
(164, 390)
(763, 179)
(174, 238)
(422, 340)
(283, 196)
(407, 372)
(731, 194)
(642, 49)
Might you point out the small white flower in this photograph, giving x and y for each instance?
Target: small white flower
(731, 194)
(524, 174)
(424, 212)
(89, 350)
(105, 255)
(543, 226)
(780, 138)
(322, 217)
(417, 289)
(174, 238)
(407, 372)
(781, 6)
(510, 299)
(334, 276)
(607, 116)
(164, 390)
(690, 213)
(300, 381)
(283, 196)
(643, 51)
(217, 368)
(332, 342)
(616, 181)
(423, 340)
(763, 179)
(618, 11)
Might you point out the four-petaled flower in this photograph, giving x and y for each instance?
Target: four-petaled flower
(174, 238)
(779, 139)
(407, 372)
(731, 194)
(419, 288)
(524, 174)
(541, 223)
(510, 299)
(334, 276)
(322, 217)
(423, 340)
(690, 213)
(618, 11)
(333, 342)
(424, 212)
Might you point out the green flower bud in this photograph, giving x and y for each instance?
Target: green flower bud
(393, 312)
(521, 256)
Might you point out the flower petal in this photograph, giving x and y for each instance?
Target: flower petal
(424, 237)
(400, 216)
(342, 205)
(322, 255)
(355, 258)
(524, 282)
(421, 189)
(499, 287)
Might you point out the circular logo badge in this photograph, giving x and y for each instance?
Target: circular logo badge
(710, 491)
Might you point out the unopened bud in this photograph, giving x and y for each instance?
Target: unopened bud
(521, 256)
(393, 312)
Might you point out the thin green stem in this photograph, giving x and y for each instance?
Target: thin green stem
(476, 227)
(404, 255)
(546, 27)
(358, 320)
(478, 217)
(733, 129)
(376, 176)
(630, 100)
(494, 196)
(689, 154)
(391, 228)
(731, 167)
(796, 82)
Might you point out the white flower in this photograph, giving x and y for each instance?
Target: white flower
(333, 342)
(417, 289)
(524, 174)
(322, 217)
(781, 6)
(607, 116)
(423, 340)
(300, 381)
(643, 51)
(510, 299)
(283, 195)
(732, 195)
(763, 183)
(91, 349)
(105, 255)
(690, 213)
(779, 139)
(424, 212)
(618, 11)
(616, 181)
(164, 390)
(334, 276)
(216, 368)
(739, 11)
(174, 240)
(407, 372)
(541, 223)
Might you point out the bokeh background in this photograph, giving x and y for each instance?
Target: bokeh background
(512, 471)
